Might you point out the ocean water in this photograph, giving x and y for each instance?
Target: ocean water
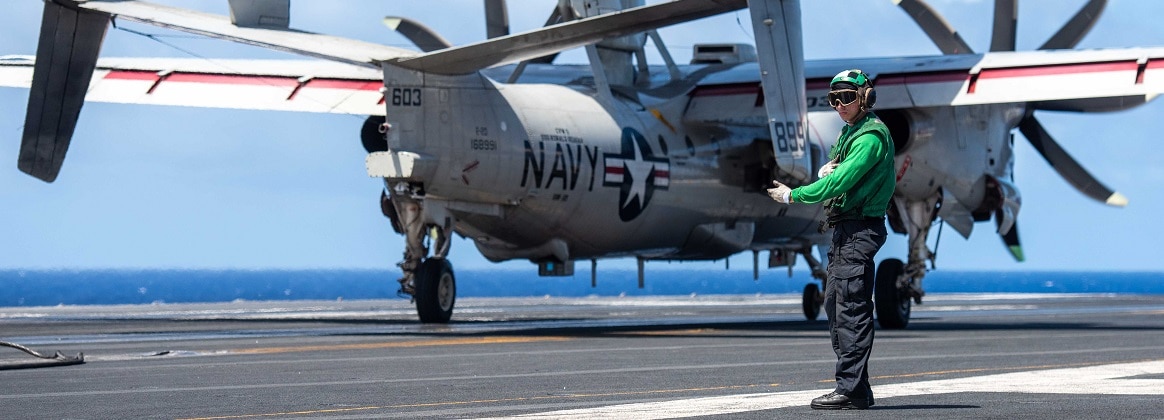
(108, 287)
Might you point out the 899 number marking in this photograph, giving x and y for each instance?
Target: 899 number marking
(789, 136)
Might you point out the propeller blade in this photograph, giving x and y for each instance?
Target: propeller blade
(425, 38)
(1005, 23)
(496, 19)
(66, 57)
(1066, 166)
(1076, 28)
(1011, 240)
(935, 26)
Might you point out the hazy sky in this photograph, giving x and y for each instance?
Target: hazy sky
(167, 187)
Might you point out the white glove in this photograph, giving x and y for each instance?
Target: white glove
(827, 169)
(780, 192)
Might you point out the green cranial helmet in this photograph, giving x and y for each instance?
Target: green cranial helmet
(855, 76)
(857, 80)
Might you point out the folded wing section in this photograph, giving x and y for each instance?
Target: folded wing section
(457, 60)
(780, 49)
(539, 42)
(216, 26)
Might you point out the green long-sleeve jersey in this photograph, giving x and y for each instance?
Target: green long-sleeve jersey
(862, 184)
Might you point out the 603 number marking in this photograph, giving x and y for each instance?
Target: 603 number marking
(405, 97)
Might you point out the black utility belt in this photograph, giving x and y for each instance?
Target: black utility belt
(833, 221)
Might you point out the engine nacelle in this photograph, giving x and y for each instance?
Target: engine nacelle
(952, 150)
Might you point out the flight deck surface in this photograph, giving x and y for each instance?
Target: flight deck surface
(962, 356)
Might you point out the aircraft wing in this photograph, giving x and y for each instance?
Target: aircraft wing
(1086, 81)
(274, 85)
(1061, 80)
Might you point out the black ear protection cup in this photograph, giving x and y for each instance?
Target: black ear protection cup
(868, 96)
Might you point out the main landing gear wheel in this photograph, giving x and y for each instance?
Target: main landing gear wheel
(436, 291)
(811, 301)
(891, 301)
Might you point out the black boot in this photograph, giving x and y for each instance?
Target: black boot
(835, 401)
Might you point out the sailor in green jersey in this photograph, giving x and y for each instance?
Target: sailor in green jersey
(856, 186)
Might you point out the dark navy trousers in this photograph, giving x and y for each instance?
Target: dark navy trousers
(849, 300)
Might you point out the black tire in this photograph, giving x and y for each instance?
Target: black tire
(893, 305)
(436, 291)
(810, 301)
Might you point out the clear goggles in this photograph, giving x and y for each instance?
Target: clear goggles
(842, 97)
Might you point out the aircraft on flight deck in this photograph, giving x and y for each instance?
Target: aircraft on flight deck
(559, 163)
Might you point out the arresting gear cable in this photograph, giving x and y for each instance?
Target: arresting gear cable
(57, 359)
